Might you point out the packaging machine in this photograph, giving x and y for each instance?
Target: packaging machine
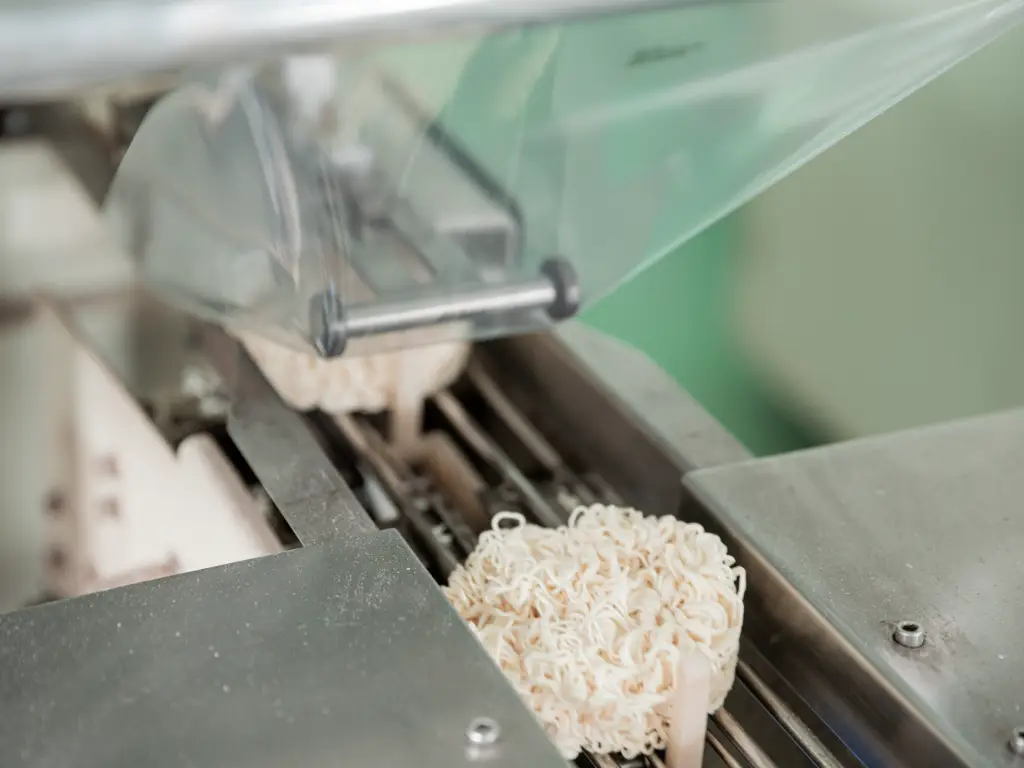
(245, 584)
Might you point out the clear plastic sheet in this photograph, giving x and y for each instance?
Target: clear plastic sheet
(479, 186)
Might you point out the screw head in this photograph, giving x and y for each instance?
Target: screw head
(325, 325)
(1017, 741)
(909, 634)
(567, 288)
(483, 732)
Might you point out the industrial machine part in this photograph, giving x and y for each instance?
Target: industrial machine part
(342, 646)
(171, 424)
(894, 564)
(258, 194)
(317, 615)
(232, 638)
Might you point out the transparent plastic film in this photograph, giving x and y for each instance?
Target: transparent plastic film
(475, 186)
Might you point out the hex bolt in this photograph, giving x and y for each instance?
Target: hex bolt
(326, 325)
(1016, 743)
(909, 634)
(483, 732)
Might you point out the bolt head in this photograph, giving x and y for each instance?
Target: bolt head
(325, 318)
(483, 732)
(909, 634)
(1017, 741)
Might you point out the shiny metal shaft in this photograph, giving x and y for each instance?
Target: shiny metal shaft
(53, 48)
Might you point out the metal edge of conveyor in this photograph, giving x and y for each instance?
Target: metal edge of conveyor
(280, 448)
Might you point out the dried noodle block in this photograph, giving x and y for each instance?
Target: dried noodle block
(589, 621)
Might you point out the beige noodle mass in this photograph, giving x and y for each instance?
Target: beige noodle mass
(589, 620)
(367, 384)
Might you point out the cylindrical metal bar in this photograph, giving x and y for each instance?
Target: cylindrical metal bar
(742, 740)
(53, 48)
(419, 312)
(332, 324)
(787, 718)
(538, 445)
(487, 450)
(724, 754)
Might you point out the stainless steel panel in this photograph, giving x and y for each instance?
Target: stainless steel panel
(127, 39)
(342, 654)
(291, 466)
(922, 526)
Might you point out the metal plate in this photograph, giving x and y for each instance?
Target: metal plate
(292, 468)
(924, 526)
(341, 654)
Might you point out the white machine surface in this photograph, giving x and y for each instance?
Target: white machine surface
(251, 585)
(52, 240)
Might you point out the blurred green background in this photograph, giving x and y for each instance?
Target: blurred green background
(877, 288)
(679, 313)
